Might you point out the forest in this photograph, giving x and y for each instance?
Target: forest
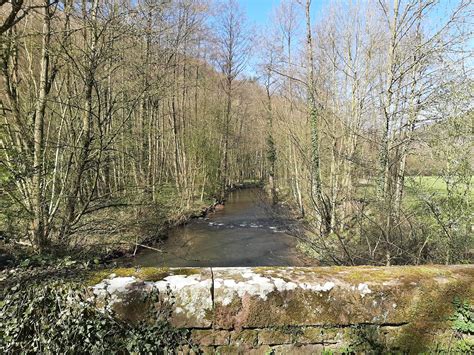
(123, 119)
(119, 117)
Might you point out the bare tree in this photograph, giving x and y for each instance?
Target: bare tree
(232, 44)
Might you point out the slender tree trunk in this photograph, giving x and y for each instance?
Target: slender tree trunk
(86, 133)
(38, 225)
(227, 115)
(312, 110)
(271, 150)
(386, 183)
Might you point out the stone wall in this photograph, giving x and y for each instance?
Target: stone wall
(299, 310)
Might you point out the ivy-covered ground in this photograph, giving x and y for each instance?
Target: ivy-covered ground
(46, 308)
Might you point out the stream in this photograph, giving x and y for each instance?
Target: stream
(244, 233)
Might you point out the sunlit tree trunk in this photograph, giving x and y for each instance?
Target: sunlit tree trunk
(38, 181)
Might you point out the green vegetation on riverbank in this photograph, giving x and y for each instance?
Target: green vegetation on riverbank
(436, 223)
(119, 229)
(435, 185)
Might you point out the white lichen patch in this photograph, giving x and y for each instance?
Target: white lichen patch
(364, 289)
(113, 285)
(177, 282)
(282, 285)
(112, 288)
(256, 285)
(327, 286)
(191, 294)
(247, 274)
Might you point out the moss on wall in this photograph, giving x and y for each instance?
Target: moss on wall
(352, 309)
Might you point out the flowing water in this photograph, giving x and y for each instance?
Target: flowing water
(244, 233)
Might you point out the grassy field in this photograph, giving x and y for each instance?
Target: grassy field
(416, 187)
(431, 184)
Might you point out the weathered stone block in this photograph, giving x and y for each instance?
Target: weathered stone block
(244, 337)
(260, 350)
(276, 297)
(341, 349)
(292, 349)
(186, 291)
(414, 337)
(273, 337)
(207, 350)
(316, 335)
(208, 337)
(230, 349)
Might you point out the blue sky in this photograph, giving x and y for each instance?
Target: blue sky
(259, 11)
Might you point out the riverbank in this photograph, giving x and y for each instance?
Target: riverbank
(120, 231)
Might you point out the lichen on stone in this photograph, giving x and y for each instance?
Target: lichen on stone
(186, 290)
(363, 289)
(190, 293)
(408, 306)
(254, 284)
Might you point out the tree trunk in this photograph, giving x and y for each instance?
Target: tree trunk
(313, 111)
(38, 224)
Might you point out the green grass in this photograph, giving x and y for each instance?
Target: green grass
(416, 187)
(431, 184)
(419, 188)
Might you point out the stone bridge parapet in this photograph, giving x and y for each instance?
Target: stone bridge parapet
(300, 310)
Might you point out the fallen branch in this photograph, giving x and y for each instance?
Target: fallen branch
(147, 247)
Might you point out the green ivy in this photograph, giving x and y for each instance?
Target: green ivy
(463, 318)
(58, 317)
(463, 323)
